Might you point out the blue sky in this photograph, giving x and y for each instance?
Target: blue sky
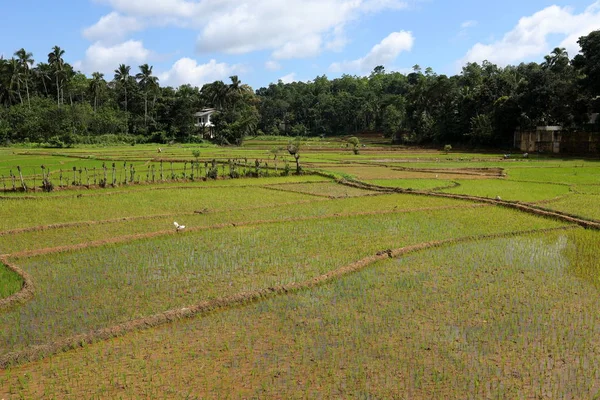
(262, 41)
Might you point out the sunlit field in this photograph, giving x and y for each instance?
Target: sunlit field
(368, 276)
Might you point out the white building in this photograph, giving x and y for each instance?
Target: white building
(202, 120)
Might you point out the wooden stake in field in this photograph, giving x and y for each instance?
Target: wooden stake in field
(47, 185)
(60, 178)
(14, 187)
(23, 185)
(105, 178)
(43, 177)
(162, 176)
(114, 175)
(74, 176)
(95, 179)
(172, 173)
(131, 174)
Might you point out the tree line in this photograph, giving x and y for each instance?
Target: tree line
(49, 102)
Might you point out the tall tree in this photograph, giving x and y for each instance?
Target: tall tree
(55, 59)
(15, 75)
(97, 84)
(147, 83)
(25, 62)
(216, 94)
(122, 79)
(43, 73)
(588, 63)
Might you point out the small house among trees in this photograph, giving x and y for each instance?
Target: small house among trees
(202, 120)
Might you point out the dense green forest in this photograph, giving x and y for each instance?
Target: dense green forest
(51, 103)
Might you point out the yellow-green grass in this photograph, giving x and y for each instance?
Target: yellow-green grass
(582, 251)
(567, 172)
(366, 172)
(587, 206)
(509, 190)
(376, 172)
(262, 181)
(10, 282)
(328, 189)
(312, 207)
(499, 318)
(19, 214)
(144, 173)
(417, 184)
(149, 276)
(586, 189)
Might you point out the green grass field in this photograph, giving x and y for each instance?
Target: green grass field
(300, 286)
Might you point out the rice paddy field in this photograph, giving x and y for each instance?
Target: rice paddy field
(392, 274)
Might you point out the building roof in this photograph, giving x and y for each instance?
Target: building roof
(548, 128)
(204, 112)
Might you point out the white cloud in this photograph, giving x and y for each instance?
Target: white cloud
(187, 70)
(272, 65)
(289, 78)
(112, 27)
(383, 53)
(307, 47)
(153, 8)
(337, 40)
(529, 38)
(468, 24)
(291, 28)
(102, 58)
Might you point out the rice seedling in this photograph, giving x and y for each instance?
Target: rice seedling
(457, 321)
(496, 317)
(584, 205)
(10, 282)
(416, 184)
(152, 275)
(509, 190)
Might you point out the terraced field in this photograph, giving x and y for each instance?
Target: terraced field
(401, 276)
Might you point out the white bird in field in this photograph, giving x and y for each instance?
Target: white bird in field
(178, 227)
(498, 198)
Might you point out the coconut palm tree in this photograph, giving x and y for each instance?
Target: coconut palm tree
(236, 91)
(55, 59)
(96, 85)
(25, 62)
(43, 72)
(147, 83)
(6, 94)
(122, 78)
(215, 94)
(14, 73)
(559, 56)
